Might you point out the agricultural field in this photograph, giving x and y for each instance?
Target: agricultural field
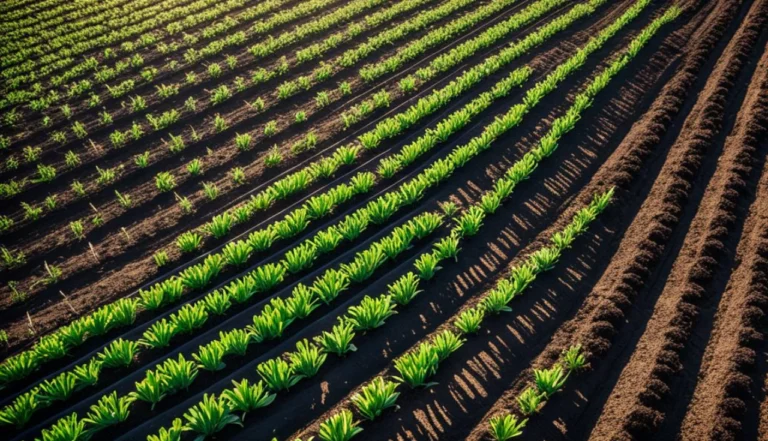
(326, 220)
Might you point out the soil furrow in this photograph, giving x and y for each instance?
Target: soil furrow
(693, 272)
(723, 384)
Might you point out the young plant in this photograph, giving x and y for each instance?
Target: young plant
(339, 427)
(165, 182)
(371, 313)
(87, 375)
(211, 190)
(159, 335)
(376, 397)
(210, 357)
(529, 401)
(161, 258)
(243, 142)
(178, 374)
(109, 411)
(549, 381)
(273, 158)
(339, 340)
(77, 229)
(506, 427)
(152, 389)
(209, 416)
(278, 374)
(119, 354)
(57, 389)
(20, 411)
(415, 367)
(573, 358)
(189, 241)
(427, 265)
(469, 320)
(307, 359)
(189, 318)
(404, 289)
(244, 397)
(330, 285)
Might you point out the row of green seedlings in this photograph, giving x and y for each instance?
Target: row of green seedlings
(173, 376)
(20, 41)
(546, 382)
(280, 378)
(283, 372)
(415, 368)
(525, 166)
(522, 170)
(19, 16)
(304, 255)
(393, 126)
(29, 36)
(533, 96)
(238, 253)
(191, 15)
(532, 12)
(448, 32)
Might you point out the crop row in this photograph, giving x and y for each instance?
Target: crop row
(573, 66)
(430, 105)
(30, 15)
(416, 367)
